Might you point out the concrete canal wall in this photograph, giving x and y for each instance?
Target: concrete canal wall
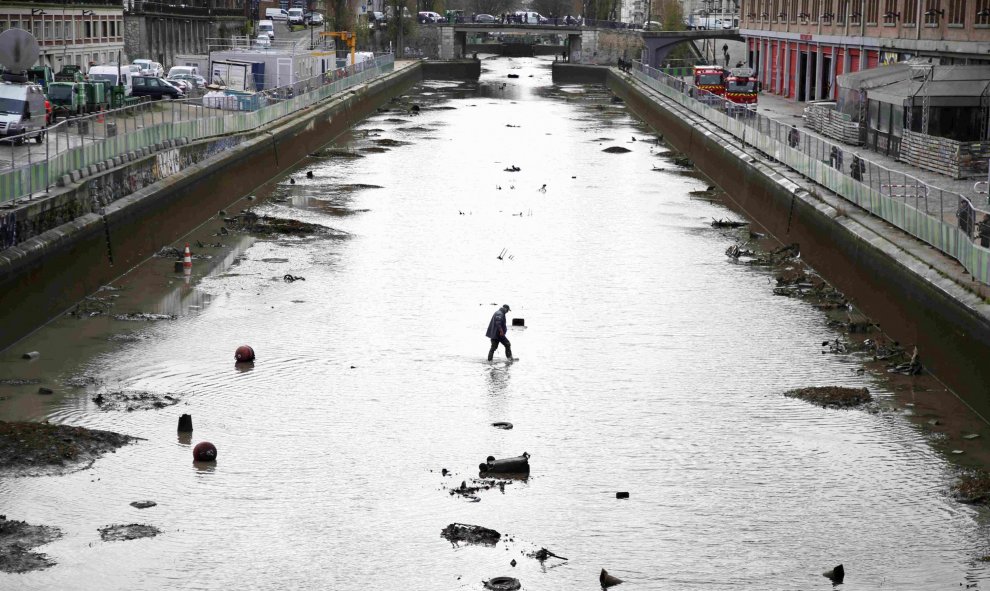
(861, 255)
(67, 251)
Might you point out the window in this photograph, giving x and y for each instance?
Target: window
(840, 13)
(816, 10)
(104, 29)
(48, 30)
(804, 10)
(909, 17)
(827, 15)
(793, 11)
(982, 13)
(889, 12)
(872, 11)
(957, 12)
(88, 30)
(931, 12)
(58, 30)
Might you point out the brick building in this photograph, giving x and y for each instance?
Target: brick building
(78, 33)
(799, 47)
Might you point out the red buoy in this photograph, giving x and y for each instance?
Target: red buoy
(205, 452)
(244, 353)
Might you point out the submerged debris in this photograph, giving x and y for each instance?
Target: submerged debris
(543, 555)
(17, 538)
(131, 401)
(683, 161)
(390, 142)
(132, 531)
(336, 153)
(470, 534)
(143, 504)
(42, 448)
(374, 150)
(470, 492)
(616, 150)
(728, 223)
(972, 487)
(832, 396)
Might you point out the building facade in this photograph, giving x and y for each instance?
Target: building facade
(799, 47)
(160, 31)
(76, 33)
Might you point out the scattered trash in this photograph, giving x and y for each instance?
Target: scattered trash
(502, 255)
(616, 150)
(512, 563)
(17, 538)
(205, 452)
(43, 390)
(470, 492)
(516, 465)
(622, 495)
(143, 504)
(288, 278)
(511, 125)
(131, 401)
(512, 168)
(309, 174)
(683, 161)
(248, 221)
(31, 355)
(836, 574)
(456, 533)
(543, 555)
(608, 580)
(144, 316)
(727, 223)
(911, 368)
(971, 436)
(513, 75)
(832, 396)
(122, 533)
(503, 583)
(502, 425)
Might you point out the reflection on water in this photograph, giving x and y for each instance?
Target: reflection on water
(650, 364)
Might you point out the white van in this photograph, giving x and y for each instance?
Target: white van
(267, 28)
(23, 109)
(276, 14)
(114, 75)
(527, 17)
(189, 70)
(295, 16)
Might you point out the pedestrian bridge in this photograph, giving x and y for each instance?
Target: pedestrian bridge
(582, 40)
(659, 43)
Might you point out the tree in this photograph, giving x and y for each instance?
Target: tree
(552, 7)
(672, 15)
(493, 7)
(400, 27)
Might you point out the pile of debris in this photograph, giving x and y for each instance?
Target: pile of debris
(131, 401)
(132, 531)
(832, 396)
(456, 533)
(248, 221)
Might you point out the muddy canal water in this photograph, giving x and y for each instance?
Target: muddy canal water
(649, 363)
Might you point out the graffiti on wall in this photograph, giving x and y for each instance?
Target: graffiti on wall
(8, 230)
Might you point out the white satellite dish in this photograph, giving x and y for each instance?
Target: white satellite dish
(18, 50)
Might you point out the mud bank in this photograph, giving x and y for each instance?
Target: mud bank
(17, 539)
(35, 449)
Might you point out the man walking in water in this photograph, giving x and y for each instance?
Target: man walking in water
(496, 332)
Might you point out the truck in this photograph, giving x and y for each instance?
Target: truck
(68, 99)
(69, 73)
(116, 76)
(741, 88)
(41, 75)
(22, 111)
(711, 79)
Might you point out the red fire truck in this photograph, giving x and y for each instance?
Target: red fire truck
(740, 87)
(710, 78)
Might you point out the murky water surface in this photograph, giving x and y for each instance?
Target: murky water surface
(649, 363)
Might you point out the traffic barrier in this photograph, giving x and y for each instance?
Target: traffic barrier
(187, 260)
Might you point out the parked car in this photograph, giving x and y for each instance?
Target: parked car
(376, 20)
(484, 18)
(652, 26)
(263, 41)
(268, 28)
(295, 16)
(183, 70)
(313, 19)
(184, 85)
(428, 17)
(193, 80)
(276, 14)
(150, 68)
(156, 88)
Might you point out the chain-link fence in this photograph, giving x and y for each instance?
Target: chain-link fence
(947, 220)
(38, 159)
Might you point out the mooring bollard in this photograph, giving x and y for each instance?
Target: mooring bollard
(185, 424)
(205, 452)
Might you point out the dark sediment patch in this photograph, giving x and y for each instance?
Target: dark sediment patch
(32, 449)
(16, 541)
(352, 187)
(336, 153)
(457, 533)
(397, 120)
(832, 396)
(144, 317)
(19, 382)
(972, 487)
(131, 401)
(374, 150)
(92, 306)
(415, 128)
(390, 142)
(143, 504)
(616, 150)
(132, 531)
(251, 222)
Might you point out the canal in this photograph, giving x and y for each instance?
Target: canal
(649, 363)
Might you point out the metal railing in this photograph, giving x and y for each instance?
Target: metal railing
(944, 219)
(81, 143)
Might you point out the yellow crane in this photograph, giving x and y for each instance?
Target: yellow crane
(345, 36)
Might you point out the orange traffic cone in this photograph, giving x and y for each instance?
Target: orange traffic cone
(99, 116)
(187, 261)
